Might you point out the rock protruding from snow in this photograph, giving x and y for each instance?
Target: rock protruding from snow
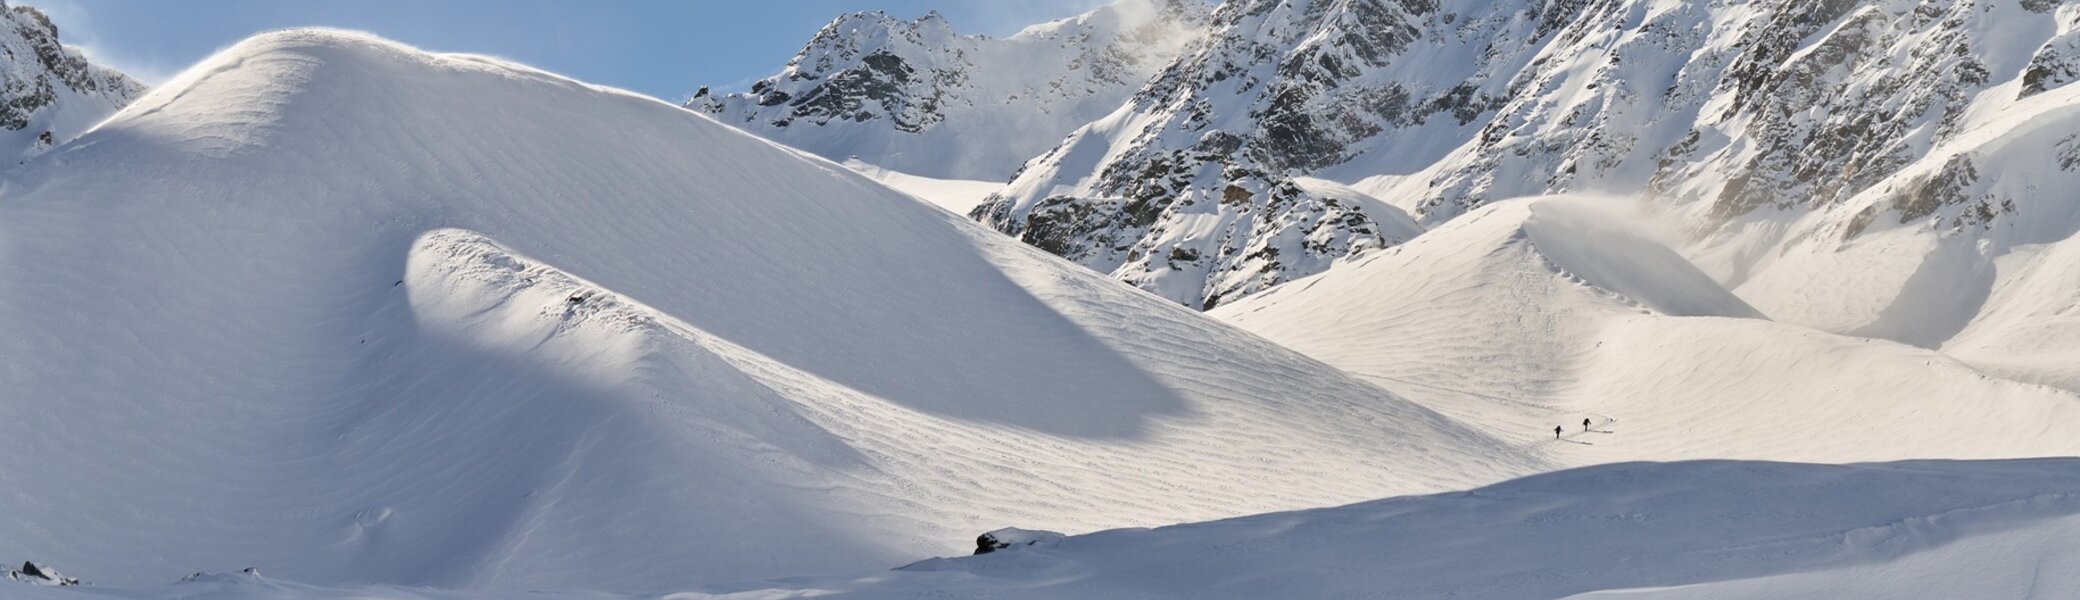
(917, 97)
(1013, 537)
(2058, 62)
(1189, 190)
(40, 575)
(48, 92)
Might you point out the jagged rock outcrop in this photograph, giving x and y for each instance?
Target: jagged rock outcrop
(918, 97)
(1723, 110)
(1202, 164)
(49, 93)
(2058, 62)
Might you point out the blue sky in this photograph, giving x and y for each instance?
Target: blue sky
(664, 48)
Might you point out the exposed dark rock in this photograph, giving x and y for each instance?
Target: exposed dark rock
(1011, 537)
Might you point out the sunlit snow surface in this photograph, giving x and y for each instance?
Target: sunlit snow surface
(349, 312)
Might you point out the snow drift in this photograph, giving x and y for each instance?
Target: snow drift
(346, 311)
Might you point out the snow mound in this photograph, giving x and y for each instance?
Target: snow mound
(347, 311)
(1530, 314)
(1504, 295)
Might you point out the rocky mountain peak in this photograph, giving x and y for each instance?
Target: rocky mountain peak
(919, 97)
(48, 92)
(1426, 109)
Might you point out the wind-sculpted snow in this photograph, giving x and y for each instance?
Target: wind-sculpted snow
(1737, 115)
(349, 312)
(919, 98)
(1699, 530)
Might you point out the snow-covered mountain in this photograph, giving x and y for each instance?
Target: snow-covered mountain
(350, 312)
(1737, 114)
(919, 98)
(48, 92)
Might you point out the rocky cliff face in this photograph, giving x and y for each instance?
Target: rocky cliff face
(918, 97)
(1208, 184)
(49, 93)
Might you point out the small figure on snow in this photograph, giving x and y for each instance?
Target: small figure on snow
(1585, 424)
(1556, 432)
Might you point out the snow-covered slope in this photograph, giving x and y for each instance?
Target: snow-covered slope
(350, 312)
(1717, 529)
(1740, 115)
(916, 97)
(1524, 315)
(955, 195)
(1969, 251)
(48, 92)
(1701, 530)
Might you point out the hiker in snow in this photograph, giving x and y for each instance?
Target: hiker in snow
(1556, 432)
(1585, 424)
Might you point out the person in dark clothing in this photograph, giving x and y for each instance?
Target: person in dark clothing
(1556, 432)
(1585, 424)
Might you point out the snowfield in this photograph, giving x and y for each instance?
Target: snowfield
(350, 312)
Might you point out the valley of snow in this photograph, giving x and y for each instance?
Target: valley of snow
(386, 323)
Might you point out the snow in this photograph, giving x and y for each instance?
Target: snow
(955, 195)
(349, 312)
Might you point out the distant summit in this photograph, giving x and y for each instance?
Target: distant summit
(917, 97)
(48, 92)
